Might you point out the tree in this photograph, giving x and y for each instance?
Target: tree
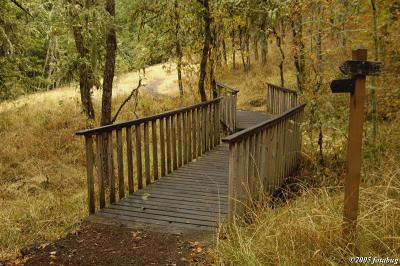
(206, 48)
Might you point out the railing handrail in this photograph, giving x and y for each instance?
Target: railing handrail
(231, 89)
(263, 125)
(134, 122)
(282, 88)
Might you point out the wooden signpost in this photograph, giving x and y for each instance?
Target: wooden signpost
(358, 68)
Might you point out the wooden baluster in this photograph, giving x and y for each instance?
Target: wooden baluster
(204, 128)
(110, 161)
(232, 180)
(190, 134)
(169, 154)
(211, 127)
(174, 153)
(257, 166)
(194, 132)
(155, 148)
(162, 147)
(269, 158)
(179, 131)
(184, 135)
(89, 174)
(129, 150)
(246, 158)
(139, 171)
(251, 159)
(218, 123)
(146, 153)
(102, 197)
(120, 159)
(263, 158)
(200, 131)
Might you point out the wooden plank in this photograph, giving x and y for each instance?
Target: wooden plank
(232, 178)
(179, 135)
(204, 128)
(200, 132)
(168, 143)
(190, 134)
(129, 150)
(162, 147)
(211, 210)
(89, 174)
(102, 197)
(139, 171)
(194, 132)
(155, 149)
(184, 135)
(212, 127)
(174, 152)
(110, 162)
(120, 159)
(146, 153)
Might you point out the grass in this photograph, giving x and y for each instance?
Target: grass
(42, 163)
(306, 229)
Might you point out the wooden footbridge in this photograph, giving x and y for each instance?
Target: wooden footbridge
(193, 167)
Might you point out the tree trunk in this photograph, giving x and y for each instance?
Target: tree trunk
(108, 78)
(109, 68)
(206, 48)
(248, 66)
(224, 51)
(299, 61)
(264, 45)
(241, 45)
(256, 36)
(211, 54)
(178, 47)
(85, 85)
(233, 50)
(279, 44)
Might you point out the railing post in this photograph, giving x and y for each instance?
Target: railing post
(89, 172)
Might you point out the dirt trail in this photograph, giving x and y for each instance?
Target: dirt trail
(159, 79)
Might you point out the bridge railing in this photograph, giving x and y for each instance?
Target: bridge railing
(280, 99)
(261, 157)
(228, 106)
(146, 149)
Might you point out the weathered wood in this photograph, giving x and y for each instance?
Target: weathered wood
(195, 132)
(168, 143)
(99, 161)
(162, 147)
(139, 171)
(129, 158)
(89, 174)
(143, 120)
(361, 68)
(179, 136)
(110, 161)
(146, 152)
(185, 138)
(155, 148)
(174, 151)
(120, 159)
(232, 179)
(190, 134)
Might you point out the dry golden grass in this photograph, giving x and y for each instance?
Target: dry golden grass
(42, 163)
(306, 230)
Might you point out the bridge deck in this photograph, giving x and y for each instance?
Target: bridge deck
(192, 197)
(245, 119)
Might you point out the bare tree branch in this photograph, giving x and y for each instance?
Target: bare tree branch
(133, 92)
(20, 6)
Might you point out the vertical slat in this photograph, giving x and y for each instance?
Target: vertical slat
(102, 197)
(89, 174)
(162, 146)
(190, 134)
(168, 142)
(121, 187)
(110, 161)
(174, 154)
(179, 133)
(129, 157)
(218, 121)
(195, 132)
(204, 128)
(185, 137)
(146, 153)
(155, 148)
(232, 178)
(139, 171)
(200, 131)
